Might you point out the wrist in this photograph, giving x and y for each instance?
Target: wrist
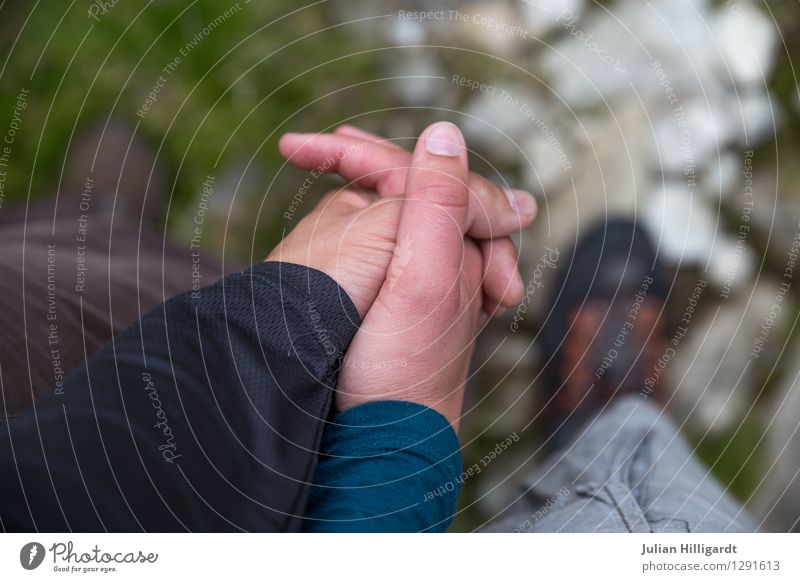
(450, 407)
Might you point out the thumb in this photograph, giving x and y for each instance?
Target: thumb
(435, 209)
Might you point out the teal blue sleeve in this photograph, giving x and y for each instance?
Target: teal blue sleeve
(386, 467)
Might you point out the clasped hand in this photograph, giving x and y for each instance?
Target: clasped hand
(420, 245)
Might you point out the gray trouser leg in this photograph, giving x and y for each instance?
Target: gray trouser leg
(629, 470)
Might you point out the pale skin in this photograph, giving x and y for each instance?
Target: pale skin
(421, 247)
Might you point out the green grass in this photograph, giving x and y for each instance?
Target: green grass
(227, 100)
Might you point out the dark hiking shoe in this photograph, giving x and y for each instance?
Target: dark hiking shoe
(606, 330)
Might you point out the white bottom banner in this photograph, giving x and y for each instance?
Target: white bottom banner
(390, 557)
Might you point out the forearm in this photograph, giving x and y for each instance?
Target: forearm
(386, 466)
(203, 416)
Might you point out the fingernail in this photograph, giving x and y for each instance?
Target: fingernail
(522, 202)
(444, 139)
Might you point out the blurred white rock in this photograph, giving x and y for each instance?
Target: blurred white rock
(722, 177)
(492, 122)
(666, 153)
(712, 373)
(712, 123)
(732, 263)
(493, 25)
(697, 134)
(634, 35)
(675, 33)
(420, 77)
(405, 32)
(550, 157)
(760, 116)
(540, 16)
(747, 41)
(681, 224)
(577, 74)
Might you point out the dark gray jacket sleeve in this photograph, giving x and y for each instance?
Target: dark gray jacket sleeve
(206, 415)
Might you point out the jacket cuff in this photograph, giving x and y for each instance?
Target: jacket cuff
(387, 466)
(332, 316)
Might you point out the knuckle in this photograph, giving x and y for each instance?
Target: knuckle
(427, 295)
(482, 189)
(329, 197)
(449, 194)
(350, 198)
